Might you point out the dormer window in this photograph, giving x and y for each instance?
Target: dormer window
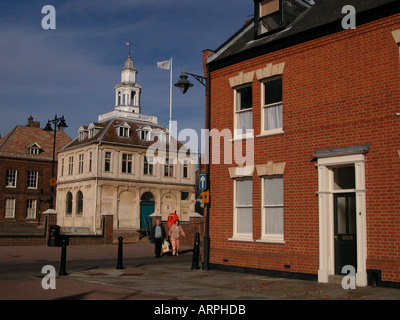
(123, 130)
(34, 148)
(145, 133)
(275, 15)
(83, 133)
(93, 130)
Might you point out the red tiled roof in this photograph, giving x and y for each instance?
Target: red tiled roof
(108, 134)
(16, 142)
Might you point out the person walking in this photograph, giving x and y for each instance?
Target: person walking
(158, 236)
(175, 233)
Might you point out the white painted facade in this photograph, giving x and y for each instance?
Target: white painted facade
(106, 166)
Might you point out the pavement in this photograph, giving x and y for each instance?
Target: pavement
(145, 277)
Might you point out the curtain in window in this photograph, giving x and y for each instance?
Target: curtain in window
(273, 205)
(274, 220)
(244, 202)
(273, 117)
(245, 121)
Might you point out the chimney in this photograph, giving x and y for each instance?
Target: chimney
(31, 123)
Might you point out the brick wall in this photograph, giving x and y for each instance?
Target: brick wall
(51, 219)
(21, 193)
(338, 90)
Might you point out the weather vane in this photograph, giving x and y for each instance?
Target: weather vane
(129, 50)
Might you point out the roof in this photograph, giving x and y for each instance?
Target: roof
(129, 64)
(16, 143)
(107, 133)
(324, 17)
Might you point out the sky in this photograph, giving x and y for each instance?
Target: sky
(72, 70)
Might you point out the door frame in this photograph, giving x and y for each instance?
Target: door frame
(338, 235)
(326, 215)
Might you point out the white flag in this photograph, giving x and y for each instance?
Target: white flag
(164, 64)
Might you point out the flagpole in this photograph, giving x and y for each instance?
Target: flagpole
(170, 99)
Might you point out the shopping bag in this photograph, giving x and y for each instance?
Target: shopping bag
(165, 247)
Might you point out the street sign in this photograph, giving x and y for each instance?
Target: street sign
(206, 196)
(53, 182)
(203, 181)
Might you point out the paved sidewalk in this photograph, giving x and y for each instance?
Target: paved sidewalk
(146, 278)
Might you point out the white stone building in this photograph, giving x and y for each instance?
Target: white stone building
(107, 168)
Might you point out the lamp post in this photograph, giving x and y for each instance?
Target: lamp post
(184, 84)
(60, 124)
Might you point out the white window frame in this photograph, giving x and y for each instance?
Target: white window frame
(107, 160)
(267, 132)
(150, 164)
(128, 163)
(11, 180)
(70, 165)
(268, 237)
(80, 163)
(239, 134)
(169, 167)
(31, 206)
(33, 179)
(9, 209)
(236, 236)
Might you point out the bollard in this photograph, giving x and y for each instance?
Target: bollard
(119, 263)
(196, 251)
(63, 271)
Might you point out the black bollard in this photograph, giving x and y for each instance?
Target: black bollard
(63, 271)
(196, 251)
(119, 263)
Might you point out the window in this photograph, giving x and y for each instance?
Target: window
(243, 110)
(33, 179)
(185, 169)
(184, 196)
(274, 15)
(10, 208)
(11, 178)
(62, 167)
(68, 204)
(31, 209)
(168, 168)
(144, 135)
(243, 219)
(148, 166)
(123, 132)
(70, 166)
(90, 161)
(126, 163)
(80, 163)
(272, 106)
(107, 162)
(270, 18)
(79, 203)
(272, 228)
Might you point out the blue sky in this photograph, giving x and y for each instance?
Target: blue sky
(73, 69)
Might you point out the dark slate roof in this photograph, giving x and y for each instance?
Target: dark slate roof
(324, 17)
(108, 134)
(16, 142)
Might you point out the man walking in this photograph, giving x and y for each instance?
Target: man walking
(158, 236)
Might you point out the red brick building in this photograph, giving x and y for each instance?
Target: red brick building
(26, 155)
(321, 189)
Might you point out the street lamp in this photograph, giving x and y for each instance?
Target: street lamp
(60, 124)
(184, 84)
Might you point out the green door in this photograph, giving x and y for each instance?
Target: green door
(146, 209)
(345, 231)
